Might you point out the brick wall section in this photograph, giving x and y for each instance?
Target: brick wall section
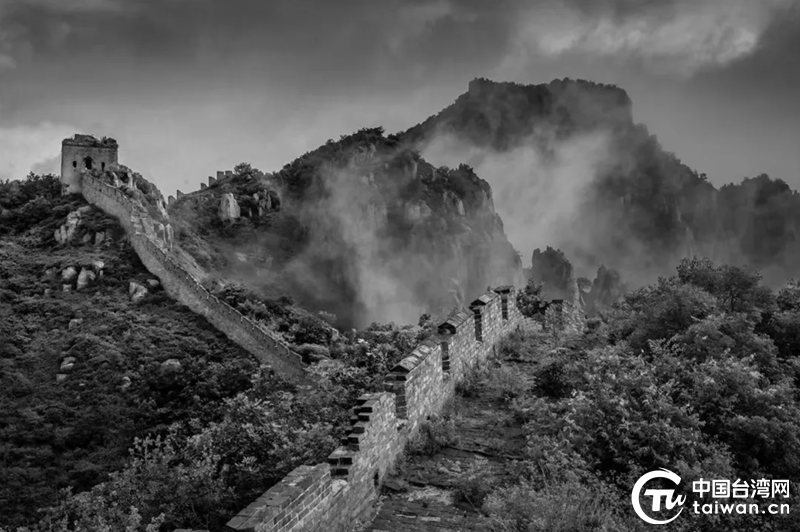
(182, 286)
(564, 316)
(331, 497)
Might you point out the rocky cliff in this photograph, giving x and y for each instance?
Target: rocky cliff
(575, 170)
(364, 229)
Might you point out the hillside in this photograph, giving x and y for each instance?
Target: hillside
(360, 228)
(92, 352)
(574, 171)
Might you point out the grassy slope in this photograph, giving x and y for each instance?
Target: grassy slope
(74, 432)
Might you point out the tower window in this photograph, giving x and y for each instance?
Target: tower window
(74, 164)
(87, 162)
(102, 166)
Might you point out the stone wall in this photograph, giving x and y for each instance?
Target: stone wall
(332, 497)
(73, 153)
(182, 286)
(564, 316)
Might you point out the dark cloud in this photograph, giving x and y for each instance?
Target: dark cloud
(260, 72)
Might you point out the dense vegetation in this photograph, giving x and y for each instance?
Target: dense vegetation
(697, 373)
(362, 203)
(151, 370)
(644, 208)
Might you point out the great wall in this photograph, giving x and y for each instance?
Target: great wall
(182, 286)
(332, 496)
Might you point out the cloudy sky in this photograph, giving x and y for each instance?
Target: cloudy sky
(192, 86)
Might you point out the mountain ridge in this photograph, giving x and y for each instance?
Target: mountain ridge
(636, 206)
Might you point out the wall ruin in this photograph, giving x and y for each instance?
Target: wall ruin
(84, 152)
(182, 286)
(331, 497)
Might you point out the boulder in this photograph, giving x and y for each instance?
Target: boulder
(86, 276)
(153, 283)
(126, 383)
(172, 363)
(74, 323)
(69, 274)
(67, 230)
(67, 364)
(99, 237)
(136, 292)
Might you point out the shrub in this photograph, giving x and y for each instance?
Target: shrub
(556, 507)
(508, 382)
(473, 381)
(437, 433)
(476, 483)
(552, 379)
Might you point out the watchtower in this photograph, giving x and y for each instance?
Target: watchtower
(84, 152)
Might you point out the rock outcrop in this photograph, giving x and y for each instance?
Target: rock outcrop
(386, 234)
(67, 230)
(229, 208)
(551, 268)
(607, 289)
(85, 277)
(136, 292)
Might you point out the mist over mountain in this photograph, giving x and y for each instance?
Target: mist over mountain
(377, 227)
(366, 229)
(570, 169)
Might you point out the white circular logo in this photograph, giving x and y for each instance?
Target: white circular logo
(657, 494)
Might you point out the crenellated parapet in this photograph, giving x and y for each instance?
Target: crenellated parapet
(329, 497)
(153, 242)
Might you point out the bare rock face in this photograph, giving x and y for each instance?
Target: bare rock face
(607, 289)
(551, 268)
(67, 230)
(453, 202)
(169, 235)
(161, 207)
(85, 277)
(229, 208)
(136, 291)
(159, 230)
